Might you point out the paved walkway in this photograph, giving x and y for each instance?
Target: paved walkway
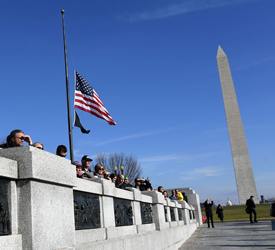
(233, 235)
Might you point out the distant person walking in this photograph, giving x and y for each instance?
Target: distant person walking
(250, 206)
(219, 212)
(208, 211)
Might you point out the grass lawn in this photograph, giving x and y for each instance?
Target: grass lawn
(237, 213)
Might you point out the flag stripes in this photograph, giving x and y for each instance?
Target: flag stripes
(88, 100)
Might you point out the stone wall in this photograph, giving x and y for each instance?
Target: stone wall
(47, 207)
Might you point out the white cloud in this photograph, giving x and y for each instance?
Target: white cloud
(180, 8)
(263, 177)
(247, 64)
(128, 137)
(161, 158)
(161, 173)
(198, 173)
(173, 157)
(77, 153)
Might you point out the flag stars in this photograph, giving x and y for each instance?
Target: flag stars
(87, 99)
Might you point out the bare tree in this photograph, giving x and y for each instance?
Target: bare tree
(131, 167)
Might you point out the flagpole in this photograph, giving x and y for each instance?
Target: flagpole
(68, 95)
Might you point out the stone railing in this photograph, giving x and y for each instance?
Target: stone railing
(44, 206)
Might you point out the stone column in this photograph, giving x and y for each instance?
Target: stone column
(136, 206)
(158, 209)
(185, 214)
(194, 200)
(45, 198)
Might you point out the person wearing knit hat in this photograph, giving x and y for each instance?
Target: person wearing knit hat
(127, 181)
(80, 173)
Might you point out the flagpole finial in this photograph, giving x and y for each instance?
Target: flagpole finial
(62, 11)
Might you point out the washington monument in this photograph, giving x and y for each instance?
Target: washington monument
(243, 171)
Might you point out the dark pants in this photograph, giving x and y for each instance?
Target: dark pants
(252, 210)
(210, 217)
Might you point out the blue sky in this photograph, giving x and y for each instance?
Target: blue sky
(153, 64)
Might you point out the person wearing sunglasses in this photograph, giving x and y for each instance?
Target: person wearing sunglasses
(99, 170)
(38, 145)
(16, 139)
(61, 151)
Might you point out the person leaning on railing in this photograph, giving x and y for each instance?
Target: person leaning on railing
(38, 145)
(81, 173)
(113, 177)
(120, 181)
(142, 185)
(173, 196)
(179, 195)
(16, 139)
(61, 150)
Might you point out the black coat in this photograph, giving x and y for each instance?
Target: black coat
(208, 208)
(5, 145)
(219, 212)
(250, 204)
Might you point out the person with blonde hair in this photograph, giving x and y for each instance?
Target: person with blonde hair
(38, 145)
(99, 170)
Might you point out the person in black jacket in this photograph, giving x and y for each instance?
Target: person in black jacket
(219, 212)
(208, 212)
(142, 185)
(120, 182)
(16, 139)
(250, 205)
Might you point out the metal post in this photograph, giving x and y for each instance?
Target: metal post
(68, 92)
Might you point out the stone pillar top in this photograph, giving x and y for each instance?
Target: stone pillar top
(34, 163)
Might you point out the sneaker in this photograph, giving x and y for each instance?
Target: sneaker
(255, 221)
(213, 226)
(251, 222)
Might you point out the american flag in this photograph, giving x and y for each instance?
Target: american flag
(87, 99)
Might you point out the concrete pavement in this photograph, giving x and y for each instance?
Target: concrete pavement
(233, 235)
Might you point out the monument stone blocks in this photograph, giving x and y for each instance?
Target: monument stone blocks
(113, 232)
(89, 235)
(89, 186)
(46, 210)
(12, 199)
(52, 207)
(136, 213)
(143, 211)
(8, 168)
(243, 170)
(11, 242)
(45, 198)
(38, 164)
(108, 215)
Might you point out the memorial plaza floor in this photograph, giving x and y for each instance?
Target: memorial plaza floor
(233, 235)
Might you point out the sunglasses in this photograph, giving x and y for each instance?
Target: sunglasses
(21, 138)
(40, 148)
